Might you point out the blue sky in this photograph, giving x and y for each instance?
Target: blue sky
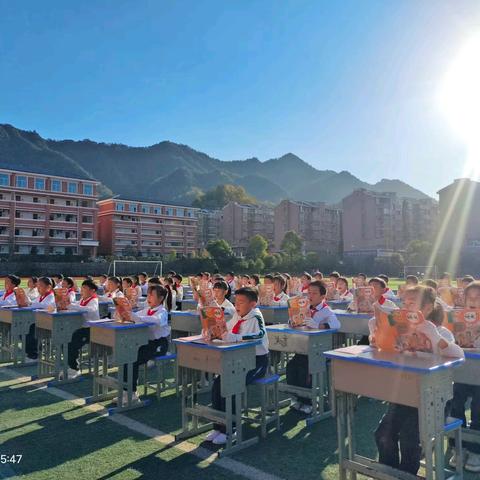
(346, 85)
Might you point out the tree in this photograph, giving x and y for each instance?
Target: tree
(257, 248)
(220, 251)
(292, 244)
(219, 196)
(418, 252)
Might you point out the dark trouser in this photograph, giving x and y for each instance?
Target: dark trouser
(179, 306)
(298, 376)
(146, 352)
(399, 428)
(461, 393)
(218, 402)
(31, 347)
(79, 338)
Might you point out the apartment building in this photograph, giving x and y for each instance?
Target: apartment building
(47, 214)
(135, 227)
(209, 227)
(319, 225)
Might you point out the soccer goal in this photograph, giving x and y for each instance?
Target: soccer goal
(152, 268)
(421, 271)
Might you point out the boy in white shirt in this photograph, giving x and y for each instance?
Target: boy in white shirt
(322, 318)
(158, 333)
(280, 298)
(32, 290)
(220, 290)
(388, 294)
(88, 304)
(8, 298)
(247, 324)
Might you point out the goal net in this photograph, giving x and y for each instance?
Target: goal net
(133, 267)
(421, 271)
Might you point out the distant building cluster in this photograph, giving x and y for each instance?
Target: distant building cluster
(46, 214)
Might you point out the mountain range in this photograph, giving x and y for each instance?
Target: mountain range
(172, 172)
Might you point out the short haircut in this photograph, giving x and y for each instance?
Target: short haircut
(128, 280)
(334, 274)
(231, 274)
(47, 281)
(320, 285)
(159, 290)
(154, 281)
(246, 275)
(69, 281)
(286, 275)
(343, 279)
(384, 277)
(58, 275)
(178, 277)
(222, 284)
(115, 280)
(306, 274)
(34, 280)
(281, 280)
(15, 280)
(468, 279)
(104, 275)
(143, 274)
(90, 284)
(135, 279)
(318, 274)
(268, 276)
(427, 294)
(256, 278)
(412, 278)
(431, 283)
(378, 280)
(472, 286)
(362, 275)
(249, 292)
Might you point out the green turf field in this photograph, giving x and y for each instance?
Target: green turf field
(63, 439)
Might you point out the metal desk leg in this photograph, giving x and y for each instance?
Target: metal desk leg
(341, 432)
(350, 401)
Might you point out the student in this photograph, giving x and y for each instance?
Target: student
(69, 284)
(177, 278)
(113, 289)
(45, 301)
(103, 281)
(397, 436)
(333, 277)
(268, 279)
(411, 280)
(306, 279)
(462, 392)
(137, 286)
(466, 281)
(360, 280)
(247, 324)
(158, 333)
(318, 276)
(388, 291)
(154, 281)
(244, 281)
(127, 283)
(142, 278)
(322, 318)
(32, 290)
(280, 298)
(230, 278)
(8, 298)
(88, 304)
(57, 278)
(344, 293)
(254, 280)
(169, 284)
(220, 290)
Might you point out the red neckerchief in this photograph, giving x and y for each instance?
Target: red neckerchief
(277, 299)
(70, 290)
(7, 294)
(386, 290)
(381, 300)
(304, 288)
(151, 311)
(43, 297)
(84, 303)
(314, 310)
(236, 327)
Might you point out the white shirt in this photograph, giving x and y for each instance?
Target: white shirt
(228, 307)
(159, 316)
(347, 296)
(280, 300)
(8, 299)
(72, 296)
(139, 291)
(111, 295)
(88, 307)
(389, 295)
(32, 293)
(252, 328)
(179, 293)
(323, 315)
(144, 287)
(44, 301)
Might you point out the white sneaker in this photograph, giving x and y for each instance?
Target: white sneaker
(453, 459)
(307, 409)
(220, 439)
(29, 360)
(72, 374)
(135, 398)
(473, 462)
(296, 406)
(212, 435)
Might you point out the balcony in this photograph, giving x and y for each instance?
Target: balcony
(88, 243)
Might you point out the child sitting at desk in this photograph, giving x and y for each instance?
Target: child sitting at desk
(69, 284)
(8, 298)
(306, 278)
(462, 392)
(142, 278)
(388, 293)
(344, 294)
(57, 280)
(322, 318)
(89, 305)
(280, 298)
(397, 436)
(177, 278)
(113, 289)
(247, 324)
(32, 290)
(158, 333)
(220, 290)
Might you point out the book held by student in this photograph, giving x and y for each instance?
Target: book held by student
(21, 297)
(213, 323)
(62, 298)
(265, 295)
(298, 311)
(364, 299)
(123, 310)
(465, 326)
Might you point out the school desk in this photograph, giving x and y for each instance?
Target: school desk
(103, 306)
(230, 360)
(274, 315)
(309, 342)
(115, 344)
(189, 304)
(423, 382)
(54, 332)
(15, 324)
(185, 322)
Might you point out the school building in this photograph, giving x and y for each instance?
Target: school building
(209, 227)
(47, 214)
(134, 227)
(384, 223)
(318, 224)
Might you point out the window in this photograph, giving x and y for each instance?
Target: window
(17, 214)
(88, 189)
(52, 201)
(21, 181)
(35, 199)
(72, 187)
(87, 219)
(56, 186)
(4, 179)
(133, 208)
(180, 212)
(68, 203)
(170, 211)
(35, 216)
(39, 184)
(87, 235)
(144, 209)
(119, 207)
(156, 211)
(18, 198)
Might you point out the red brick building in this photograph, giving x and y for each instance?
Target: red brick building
(47, 214)
(131, 227)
